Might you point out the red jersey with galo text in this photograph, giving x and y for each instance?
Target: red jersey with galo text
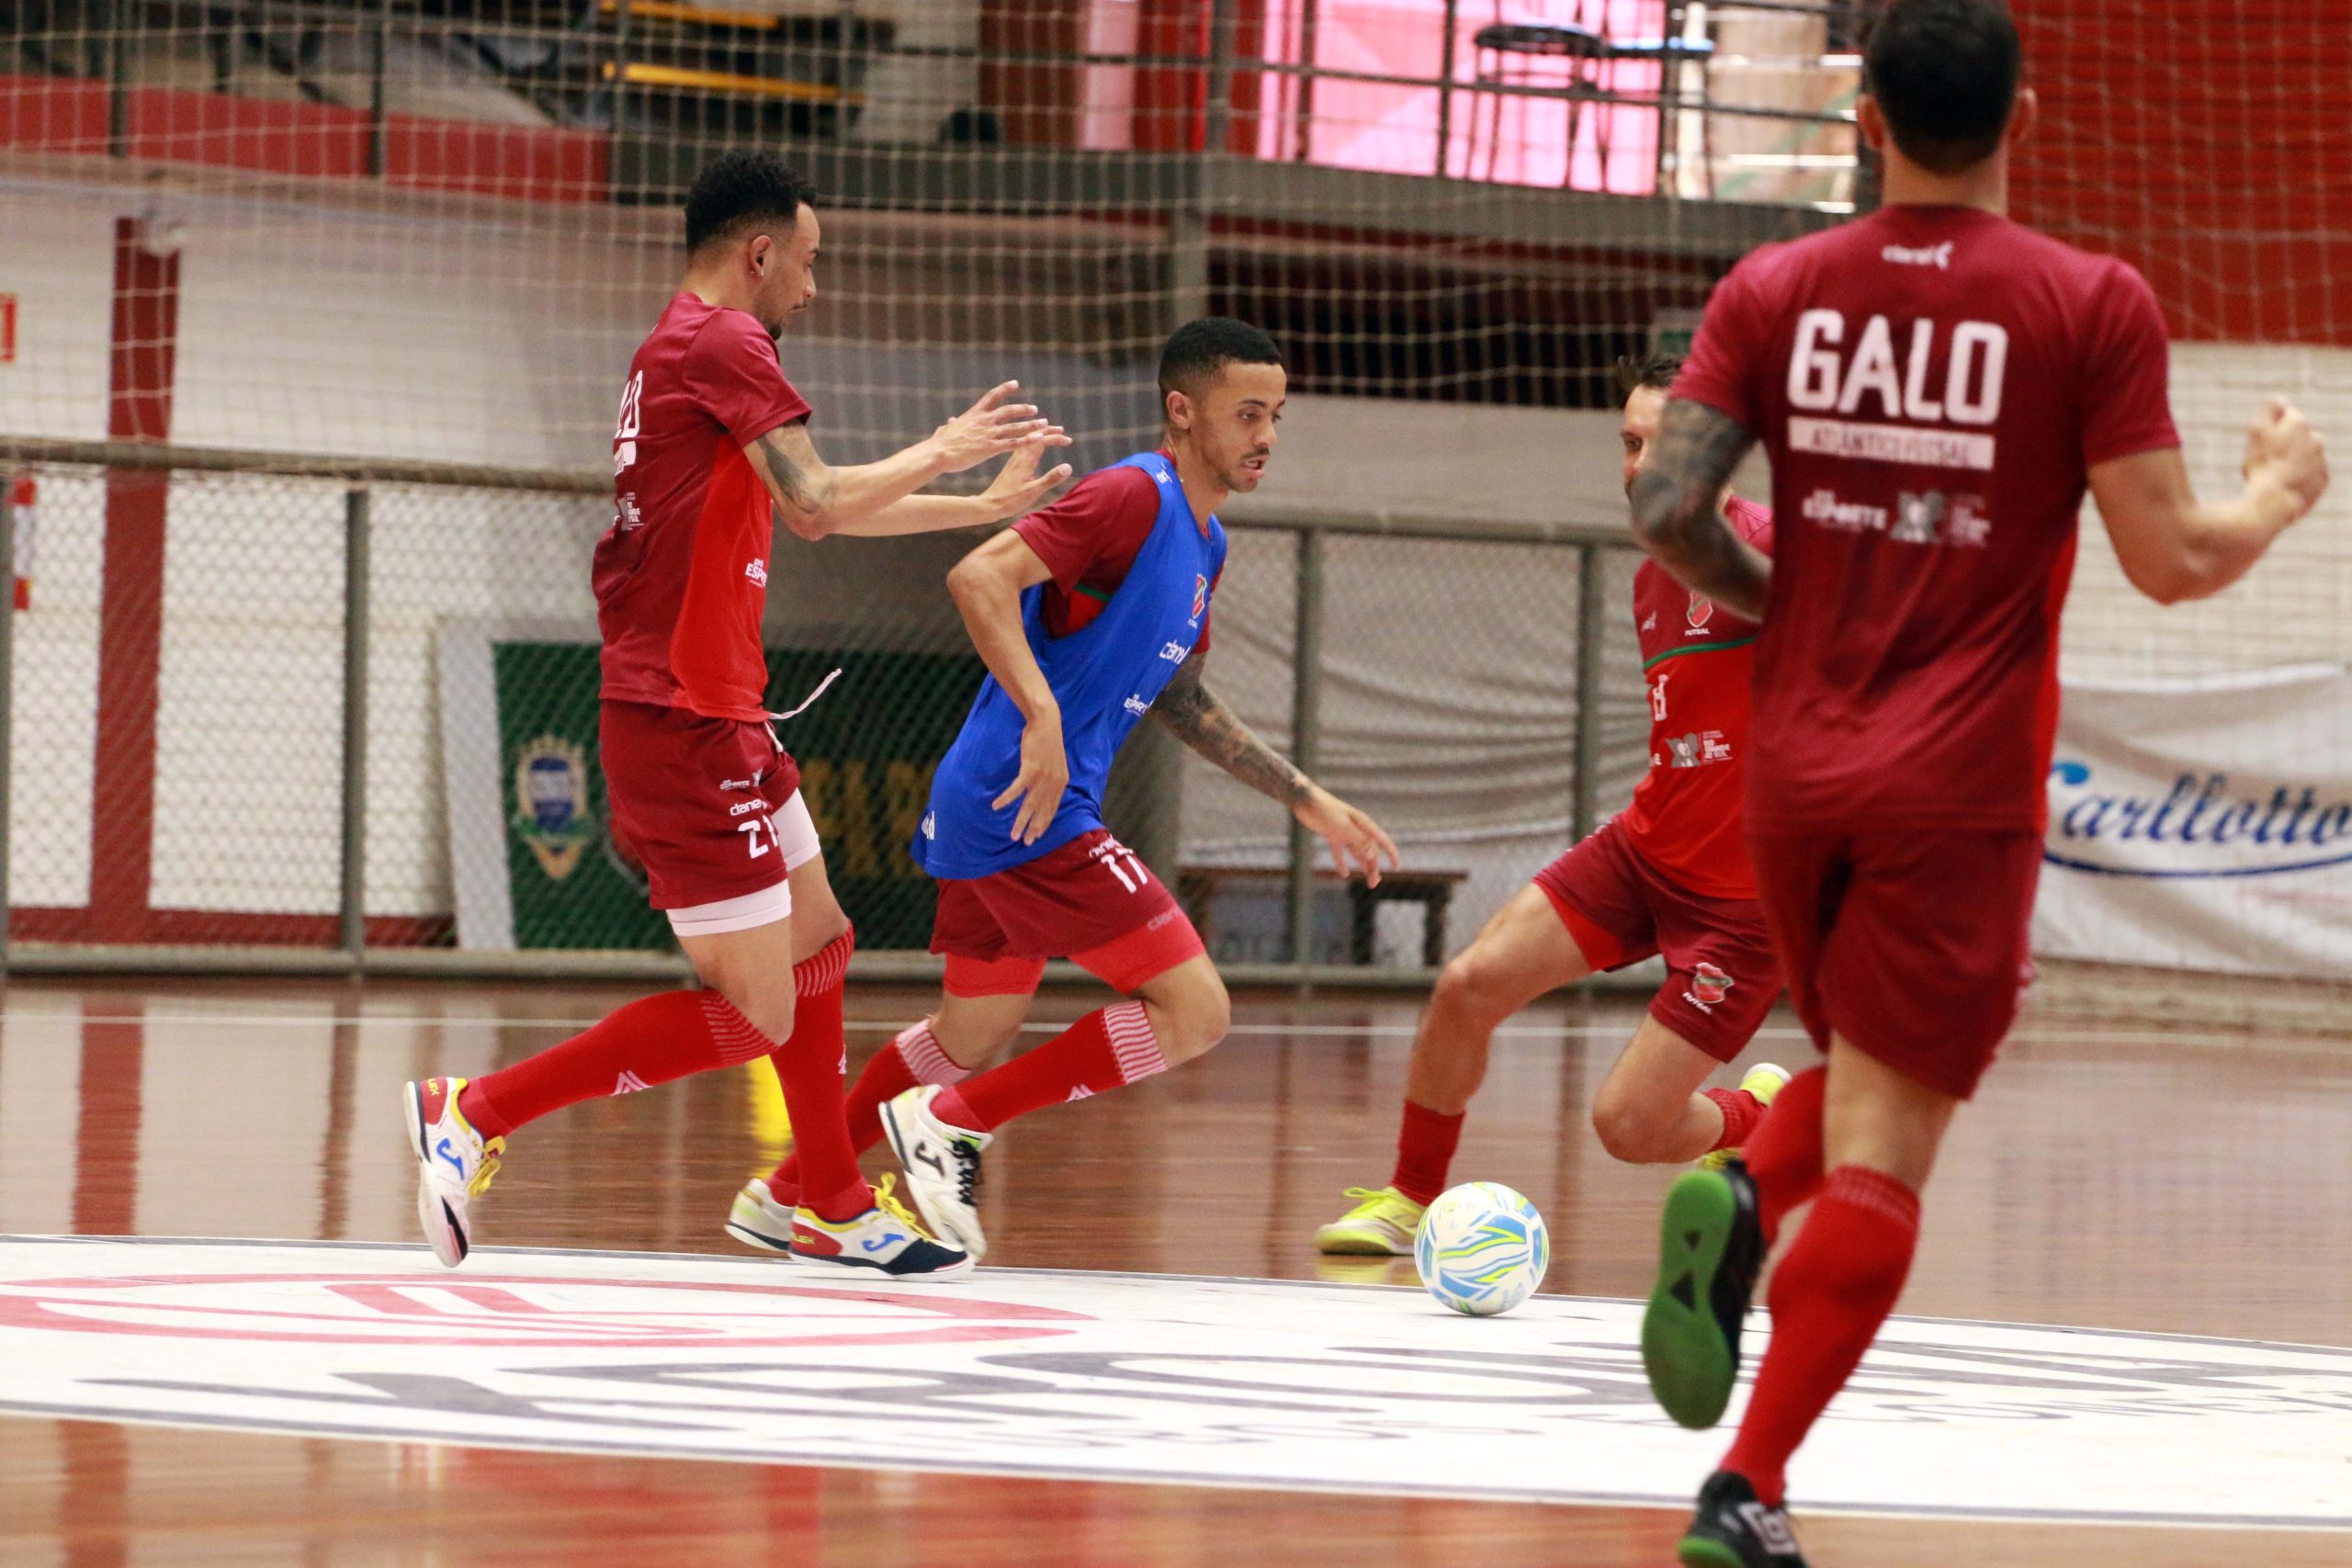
(1932, 385)
(1698, 660)
(682, 575)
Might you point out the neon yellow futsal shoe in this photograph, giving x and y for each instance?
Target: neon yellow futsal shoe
(1383, 1222)
(1763, 1080)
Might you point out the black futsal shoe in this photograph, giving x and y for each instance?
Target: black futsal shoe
(1733, 1529)
(1711, 1247)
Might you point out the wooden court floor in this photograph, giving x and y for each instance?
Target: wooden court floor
(2111, 1176)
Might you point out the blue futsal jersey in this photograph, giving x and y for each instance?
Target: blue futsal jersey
(1105, 676)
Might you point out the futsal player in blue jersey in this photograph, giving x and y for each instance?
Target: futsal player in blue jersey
(1088, 615)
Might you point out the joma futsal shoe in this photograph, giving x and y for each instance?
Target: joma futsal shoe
(454, 1164)
(1711, 1247)
(1383, 1222)
(1733, 1530)
(942, 1166)
(885, 1239)
(1764, 1080)
(758, 1220)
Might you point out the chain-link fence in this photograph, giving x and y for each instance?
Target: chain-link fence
(262, 715)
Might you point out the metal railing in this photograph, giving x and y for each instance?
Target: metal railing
(1588, 560)
(603, 66)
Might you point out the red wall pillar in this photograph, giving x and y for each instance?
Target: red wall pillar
(131, 615)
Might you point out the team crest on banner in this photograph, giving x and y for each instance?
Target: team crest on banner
(551, 803)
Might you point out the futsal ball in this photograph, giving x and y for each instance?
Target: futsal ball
(1482, 1249)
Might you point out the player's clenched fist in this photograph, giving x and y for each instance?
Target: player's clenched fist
(990, 427)
(2282, 448)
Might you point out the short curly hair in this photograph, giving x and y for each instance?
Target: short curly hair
(738, 190)
(1199, 350)
(1656, 369)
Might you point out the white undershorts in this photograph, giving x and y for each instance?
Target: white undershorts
(795, 835)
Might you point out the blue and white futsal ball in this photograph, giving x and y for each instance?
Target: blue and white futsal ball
(1482, 1249)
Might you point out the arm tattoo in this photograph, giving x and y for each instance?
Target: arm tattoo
(1195, 716)
(792, 481)
(1675, 514)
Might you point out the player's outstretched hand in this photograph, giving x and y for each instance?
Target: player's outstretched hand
(1351, 833)
(2283, 448)
(1044, 774)
(1018, 488)
(989, 428)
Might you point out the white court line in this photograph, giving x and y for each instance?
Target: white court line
(2025, 1036)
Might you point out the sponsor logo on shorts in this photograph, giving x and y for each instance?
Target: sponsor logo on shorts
(931, 824)
(626, 516)
(757, 571)
(1137, 704)
(551, 812)
(1175, 653)
(1164, 918)
(1709, 985)
(740, 807)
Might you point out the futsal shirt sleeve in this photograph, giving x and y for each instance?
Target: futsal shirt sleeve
(731, 372)
(1731, 335)
(2127, 371)
(1089, 540)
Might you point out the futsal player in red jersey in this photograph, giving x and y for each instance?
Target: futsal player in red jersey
(713, 443)
(1669, 876)
(1936, 385)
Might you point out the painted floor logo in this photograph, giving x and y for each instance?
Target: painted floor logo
(1121, 1377)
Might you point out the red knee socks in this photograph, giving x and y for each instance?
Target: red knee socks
(1829, 1295)
(644, 1043)
(1784, 1156)
(1100, 1051)
(809, 1066)
(1425, 1143)
(1741, 1112)
(914, 1057)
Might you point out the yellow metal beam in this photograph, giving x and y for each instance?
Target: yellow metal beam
(709, 17)
(726, 82)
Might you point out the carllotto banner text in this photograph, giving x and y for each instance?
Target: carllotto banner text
(2203, 824)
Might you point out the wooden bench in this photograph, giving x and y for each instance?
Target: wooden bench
(1198, 886)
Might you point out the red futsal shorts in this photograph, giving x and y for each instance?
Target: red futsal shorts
(1090, 901)
(696, 799)
(1722, 977)
(1910, 943)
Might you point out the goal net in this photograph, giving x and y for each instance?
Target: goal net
(403, 250)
